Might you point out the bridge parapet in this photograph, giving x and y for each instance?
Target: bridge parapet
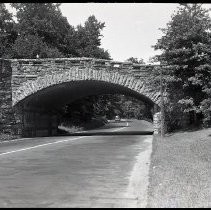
(29, 69)
(21, 66)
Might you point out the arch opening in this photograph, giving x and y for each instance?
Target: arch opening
(61, 94)
(40, 111)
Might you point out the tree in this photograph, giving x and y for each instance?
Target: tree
(186, 50)
(29, 46)
(110, 105)
(7, 32)
(89, 39)
(135, 60)
(105, 106)
(43, 23)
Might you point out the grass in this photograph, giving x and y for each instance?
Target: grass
(94, 123)
(180, 171)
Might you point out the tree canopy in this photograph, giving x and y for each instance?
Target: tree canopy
(136, 60)
(42, 29)
(7, 32)
(89, 39)
(108, 106)
(186, 50)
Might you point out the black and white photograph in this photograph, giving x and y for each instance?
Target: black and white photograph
(105, 105)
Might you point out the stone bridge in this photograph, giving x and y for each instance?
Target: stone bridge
(33, 90)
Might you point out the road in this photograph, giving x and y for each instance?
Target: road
(83, 171)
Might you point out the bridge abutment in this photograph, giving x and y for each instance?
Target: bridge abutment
(156, 119)
(157, 123)
(38, 121)
(8, 123)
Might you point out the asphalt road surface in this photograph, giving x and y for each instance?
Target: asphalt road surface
(77, 171)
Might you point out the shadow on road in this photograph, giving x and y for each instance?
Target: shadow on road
(106, 130)
(114, 133)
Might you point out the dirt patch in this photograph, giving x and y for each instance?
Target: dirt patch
(180, 170)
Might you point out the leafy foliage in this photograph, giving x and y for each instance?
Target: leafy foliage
(135, 60)
(89, 39)
(42, 29)
(44, 21)
(29, 46)
(7, 32)
(186, 50)
(107, 106)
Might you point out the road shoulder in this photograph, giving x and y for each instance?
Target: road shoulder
(139, 178)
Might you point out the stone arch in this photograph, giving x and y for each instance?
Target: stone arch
(76, 74)
(40, 83)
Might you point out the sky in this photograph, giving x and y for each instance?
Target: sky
(130, 28)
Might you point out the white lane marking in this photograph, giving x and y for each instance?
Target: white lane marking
(40, 145)
(127, 124)
(23, 139)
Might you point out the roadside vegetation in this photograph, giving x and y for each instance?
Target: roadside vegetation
(180, 170)
(186, 74)
(71, 127)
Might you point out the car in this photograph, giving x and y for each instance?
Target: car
(117, 118)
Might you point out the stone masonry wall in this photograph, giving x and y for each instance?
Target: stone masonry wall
(157, 122)
(30, 69)
(25, 71)
(7, 120)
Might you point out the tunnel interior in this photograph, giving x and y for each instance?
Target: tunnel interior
(40, 110)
